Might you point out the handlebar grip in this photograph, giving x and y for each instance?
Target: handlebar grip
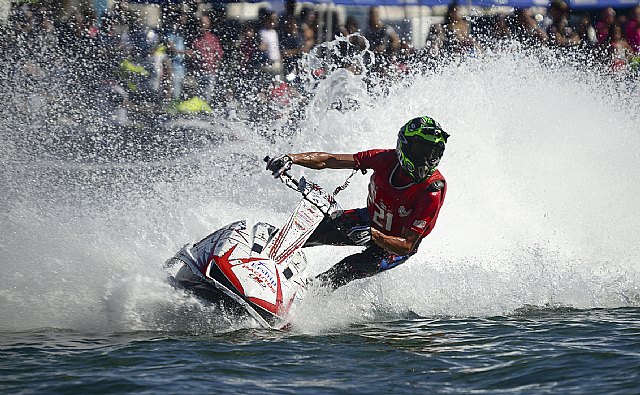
(285, 174)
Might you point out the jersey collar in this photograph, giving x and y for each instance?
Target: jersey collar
(393, 172)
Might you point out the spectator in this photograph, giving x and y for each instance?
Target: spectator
(251, 59)
(269, 42)
(91, 24)
(252, 62)
(289, 11)
(619, 50)
(585, 31)
(500, 28)
(278, 98)
(331, 26)
(604, 23)
(162, 80)
(632, 30)
(206, 60)
(382, 38)
(138, 36)
(109, 53)
(76, 40)
(72, 53)
(175, 36)
(225, 28)
(291, 44)
(192, 28)
(47, 34)
(526, 28)
(404, 57)
(134, 77)
(309, 20)
(458, 32)
(350, 28)
(435, 43)
(559, 32)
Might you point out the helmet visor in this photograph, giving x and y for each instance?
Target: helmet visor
(424, 154)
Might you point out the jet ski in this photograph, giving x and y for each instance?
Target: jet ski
(260, 269)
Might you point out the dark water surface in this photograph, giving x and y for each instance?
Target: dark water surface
(531, 351)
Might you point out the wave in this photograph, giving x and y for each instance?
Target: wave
(540, 208)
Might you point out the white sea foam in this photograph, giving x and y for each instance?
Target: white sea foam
(541, 208)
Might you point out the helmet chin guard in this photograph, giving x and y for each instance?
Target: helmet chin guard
(421, 143)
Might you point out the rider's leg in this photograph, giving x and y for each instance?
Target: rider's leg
(363, 264)
(333, 231)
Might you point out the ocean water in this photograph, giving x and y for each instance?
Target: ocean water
(532, 351)
(529, 283)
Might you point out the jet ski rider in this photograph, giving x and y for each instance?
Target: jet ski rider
(406, 192)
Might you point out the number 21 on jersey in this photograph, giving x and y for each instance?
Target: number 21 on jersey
(382, 217)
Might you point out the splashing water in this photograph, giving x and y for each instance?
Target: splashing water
(541, 207)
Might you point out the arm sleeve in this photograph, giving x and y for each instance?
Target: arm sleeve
(367, 159)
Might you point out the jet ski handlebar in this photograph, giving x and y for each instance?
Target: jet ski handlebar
(312, 193)
(286, 178)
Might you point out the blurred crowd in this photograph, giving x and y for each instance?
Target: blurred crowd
(199, 61)
(610, 39)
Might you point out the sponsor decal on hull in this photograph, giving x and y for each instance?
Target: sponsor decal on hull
(258, 271)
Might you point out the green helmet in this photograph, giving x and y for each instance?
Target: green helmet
(420, 146)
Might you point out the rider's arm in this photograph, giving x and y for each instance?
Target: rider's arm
(399, 245)
(422, 222)
(323, 160)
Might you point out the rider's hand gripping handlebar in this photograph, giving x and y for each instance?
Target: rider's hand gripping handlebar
(285, 177)
(310, 192)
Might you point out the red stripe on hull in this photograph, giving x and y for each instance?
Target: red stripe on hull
(225, 267)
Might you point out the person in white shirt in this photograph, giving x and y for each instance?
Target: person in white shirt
(269, 42)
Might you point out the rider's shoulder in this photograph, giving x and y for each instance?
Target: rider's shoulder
(436, 182)
(376, 152)
(436, 186)
(374, 159)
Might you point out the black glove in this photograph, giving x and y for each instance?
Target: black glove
(279, 165)
(360, 235)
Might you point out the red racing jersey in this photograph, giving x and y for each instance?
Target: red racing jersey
(393, 209)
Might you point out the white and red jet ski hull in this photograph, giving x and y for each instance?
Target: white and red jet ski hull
(262, 270)
(228, 265)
